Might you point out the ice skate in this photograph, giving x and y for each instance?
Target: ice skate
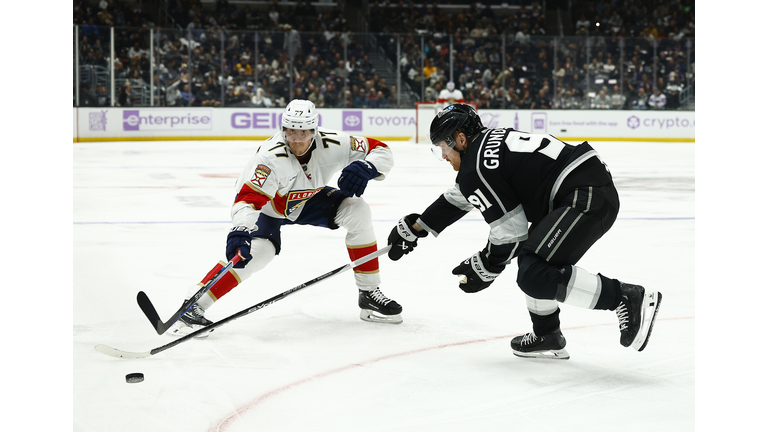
(376, 307)
(548, 346)
(637, 314)
(191, 321)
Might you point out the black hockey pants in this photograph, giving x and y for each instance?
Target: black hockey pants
(584, 209)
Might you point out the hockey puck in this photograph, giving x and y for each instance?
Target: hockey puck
(134, 377)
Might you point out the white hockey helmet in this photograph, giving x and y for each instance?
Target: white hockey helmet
(450, 86)
(300, 114)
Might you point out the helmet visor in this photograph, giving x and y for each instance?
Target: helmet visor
(441, 150)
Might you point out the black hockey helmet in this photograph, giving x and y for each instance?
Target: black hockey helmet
(454, 117)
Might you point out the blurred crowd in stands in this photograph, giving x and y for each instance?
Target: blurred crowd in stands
(639, 54)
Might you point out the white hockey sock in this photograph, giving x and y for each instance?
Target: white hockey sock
(583, 289)
(539, 306)
(354, 215)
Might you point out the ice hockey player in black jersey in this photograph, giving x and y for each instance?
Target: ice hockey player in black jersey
(565, 192)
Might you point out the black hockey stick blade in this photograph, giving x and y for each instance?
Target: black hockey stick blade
(154, 318)
(114, 352)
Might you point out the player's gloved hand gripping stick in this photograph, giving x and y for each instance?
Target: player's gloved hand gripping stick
(112, 352)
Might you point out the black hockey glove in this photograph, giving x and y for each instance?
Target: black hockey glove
(354, 177)
(476, 275)
(403, 237)
(239, 240)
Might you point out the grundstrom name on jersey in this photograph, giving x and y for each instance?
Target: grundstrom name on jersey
(492, 148)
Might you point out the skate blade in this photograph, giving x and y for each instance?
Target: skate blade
(371, 316)
(180, 329)
(549, 355)
(651, 303)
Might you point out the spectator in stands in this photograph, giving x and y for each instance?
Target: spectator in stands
(187, 98)
(120, 71)
(315, 96)
(124, 98)
(429, 68)
(560, 101)
(207, 98)
(617, 99)
(526, 101)
(137, 82)
(572, 101)
(332, 95)
(541, 101)
(640, 102)
(86, 99)
(315, 79)
(361, 100)
(513, 99)
(595, 68)
(601, 101)
(583, 23)
(666, 23)
(249, 91)
(672, 90)
(135, 51)
(102, 97)
(657, 101)
(380, 101)
(498, 98)
(260, 99)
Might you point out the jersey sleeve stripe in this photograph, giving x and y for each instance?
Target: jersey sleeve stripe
(374, 143)
(252, 197)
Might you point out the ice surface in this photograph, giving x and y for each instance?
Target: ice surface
(154, 217)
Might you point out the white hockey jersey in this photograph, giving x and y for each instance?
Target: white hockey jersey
(276, 183)
(447, 97)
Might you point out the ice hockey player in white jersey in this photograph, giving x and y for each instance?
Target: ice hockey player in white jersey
(285, 183)
(565, 192)
(449, 95)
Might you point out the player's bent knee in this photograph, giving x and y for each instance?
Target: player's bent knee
(530, 268)
(263, 251)
(354, 215)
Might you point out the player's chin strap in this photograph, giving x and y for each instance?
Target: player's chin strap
(112, 352)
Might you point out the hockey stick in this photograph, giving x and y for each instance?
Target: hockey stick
(113, 352)
(149, 310)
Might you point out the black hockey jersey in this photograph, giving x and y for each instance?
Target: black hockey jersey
(512, 177)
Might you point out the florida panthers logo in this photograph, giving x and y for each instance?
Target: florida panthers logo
(260, 175)
(357, 144)
(296, 199)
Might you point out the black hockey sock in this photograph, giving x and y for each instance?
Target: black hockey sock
(544, 324)
(610, 296)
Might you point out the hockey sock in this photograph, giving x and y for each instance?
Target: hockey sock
(223, 286)
(367, 275)
(611, 294)
(583, 289)
(545, 324)
(356, 252)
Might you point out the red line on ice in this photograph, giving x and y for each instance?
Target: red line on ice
(231, 418)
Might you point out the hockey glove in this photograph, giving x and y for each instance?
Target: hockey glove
(403, 237)
(239, 240)
(354, 177)
(476, 275)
